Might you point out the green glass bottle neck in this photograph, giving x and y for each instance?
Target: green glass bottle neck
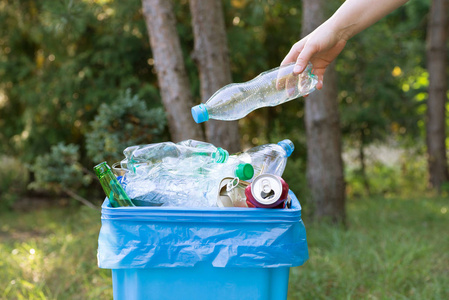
(102, 169)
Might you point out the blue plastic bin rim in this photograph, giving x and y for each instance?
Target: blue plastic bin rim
(165, 237)
(202, 214)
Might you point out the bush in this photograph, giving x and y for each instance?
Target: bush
(13, 183)
(60, 171)
(125, 122)
(405, 178)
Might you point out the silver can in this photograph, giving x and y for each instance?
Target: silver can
(268, 191)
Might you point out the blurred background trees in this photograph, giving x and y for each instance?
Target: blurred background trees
(69, 71)
(324, 145)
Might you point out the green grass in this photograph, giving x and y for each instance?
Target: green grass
(391, 249)
(51, 254)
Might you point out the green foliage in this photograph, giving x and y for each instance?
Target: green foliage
(60, 170)
(125, 122)
(445, 188)
(376, 71)
(261, 34)
(295, 176)
(64, 66)
(371, 71)
(403, 177)
(60, 61)
(13, 182)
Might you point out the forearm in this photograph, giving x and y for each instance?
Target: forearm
(353, 16)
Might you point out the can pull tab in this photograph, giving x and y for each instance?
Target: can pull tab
(267, 191)
(232, 184)
(236, 192)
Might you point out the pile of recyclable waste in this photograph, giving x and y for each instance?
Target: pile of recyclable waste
(197, 174)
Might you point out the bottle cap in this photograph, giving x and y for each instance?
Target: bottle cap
(244, 171)
(101, 168)
(288, 146)
(222, 156)
(200, 114)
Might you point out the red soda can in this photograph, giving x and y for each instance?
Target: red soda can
(267, 191)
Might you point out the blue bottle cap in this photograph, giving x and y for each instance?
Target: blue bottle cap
(200, 114)
(288, 146)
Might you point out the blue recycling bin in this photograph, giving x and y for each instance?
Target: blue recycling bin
(201, 253)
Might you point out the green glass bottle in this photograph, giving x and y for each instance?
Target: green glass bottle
(113, 189)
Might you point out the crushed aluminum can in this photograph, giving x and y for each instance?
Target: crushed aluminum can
(231, 192)
(267, 191)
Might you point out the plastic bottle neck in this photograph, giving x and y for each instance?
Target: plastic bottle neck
(288, 147)
(221, 156)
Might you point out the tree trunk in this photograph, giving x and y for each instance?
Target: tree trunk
(436, 106)
(172, 76)
(324, 162)
(212, 59)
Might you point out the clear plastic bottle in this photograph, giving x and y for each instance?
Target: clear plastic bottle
(270, 88)
(198, 189)
(112, 188)
(182, 156)
(269, 158)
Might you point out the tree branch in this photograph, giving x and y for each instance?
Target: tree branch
(80, 199)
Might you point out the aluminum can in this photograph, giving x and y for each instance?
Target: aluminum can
(267, 191)
(231, 192)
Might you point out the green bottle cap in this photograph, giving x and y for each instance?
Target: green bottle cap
(244, 171)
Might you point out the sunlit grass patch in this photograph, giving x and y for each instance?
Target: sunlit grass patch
(392, 249)
(51, 254)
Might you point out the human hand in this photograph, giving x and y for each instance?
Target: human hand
(320, 47)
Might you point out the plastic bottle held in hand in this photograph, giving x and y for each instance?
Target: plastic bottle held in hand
(112, 188)
(269, 158)
(270, 88)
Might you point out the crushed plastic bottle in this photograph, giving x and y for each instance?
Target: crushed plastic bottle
(142, 159)
(271, 88)
(199, 186)
(189, 173)
(163, 187)
(268, 158)
(182, 174)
